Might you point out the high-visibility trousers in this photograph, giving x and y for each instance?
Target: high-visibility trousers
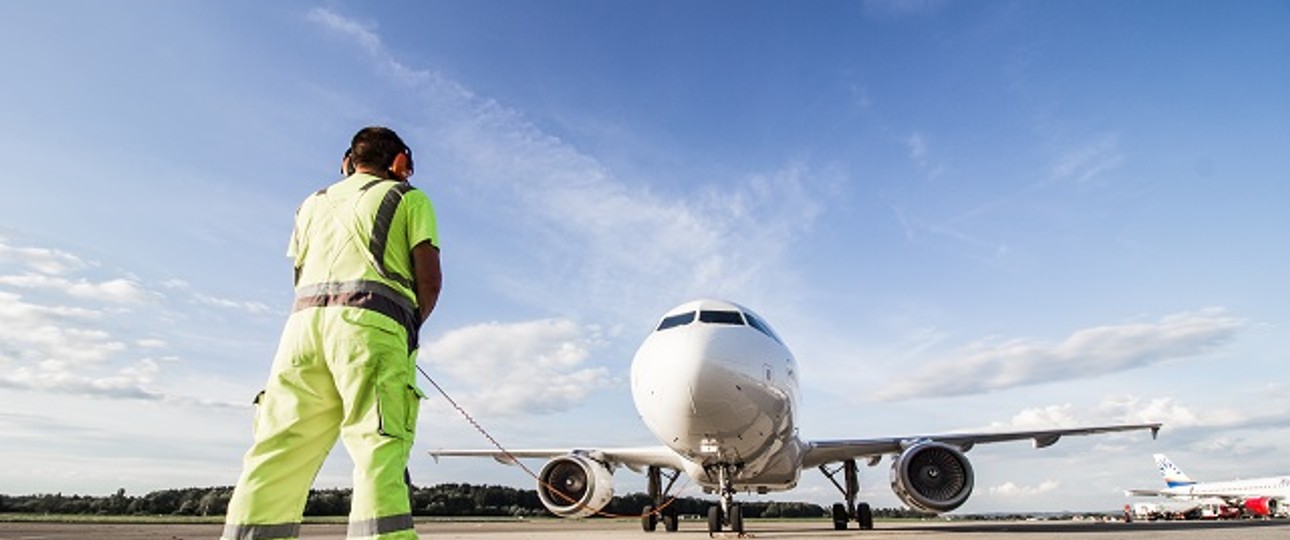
(331, 376)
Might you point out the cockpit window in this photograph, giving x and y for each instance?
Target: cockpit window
(721, 317)
(680, 319)
(761, 325)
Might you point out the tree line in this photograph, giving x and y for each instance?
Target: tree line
(439, 500)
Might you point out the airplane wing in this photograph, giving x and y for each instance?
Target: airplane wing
(1144, 493)
(822, 452)
(635, 459)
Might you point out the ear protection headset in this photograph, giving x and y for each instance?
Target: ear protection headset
(346, 165)
(402, 166)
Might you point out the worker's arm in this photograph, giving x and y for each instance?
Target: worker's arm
(427, 276)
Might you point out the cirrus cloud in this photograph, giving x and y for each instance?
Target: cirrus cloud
(991, 365)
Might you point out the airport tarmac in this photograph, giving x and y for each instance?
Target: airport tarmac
(588, 529)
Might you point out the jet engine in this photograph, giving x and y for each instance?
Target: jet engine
(932, 477)
(575, 486)
(1260, 506)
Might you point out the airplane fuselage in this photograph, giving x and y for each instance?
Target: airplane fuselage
(716, 385)
(1278, 487)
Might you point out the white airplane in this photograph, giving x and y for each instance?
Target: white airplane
(719, 389)
(1256, 496)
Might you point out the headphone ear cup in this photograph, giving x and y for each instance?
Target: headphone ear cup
(401, 166)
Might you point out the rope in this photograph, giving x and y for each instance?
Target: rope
(511, 457)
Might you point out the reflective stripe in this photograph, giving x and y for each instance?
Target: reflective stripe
(381, 230)
(364, 294)
(379, 526)
(260, 532)
(359, 286)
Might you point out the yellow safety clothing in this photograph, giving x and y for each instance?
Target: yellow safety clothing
(345, 365)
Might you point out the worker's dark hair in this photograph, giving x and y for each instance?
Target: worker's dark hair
(377, 147)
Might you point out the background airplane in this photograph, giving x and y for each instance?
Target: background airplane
(719, 388)
(1257, 496)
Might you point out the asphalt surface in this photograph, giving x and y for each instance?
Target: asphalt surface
(568, 529)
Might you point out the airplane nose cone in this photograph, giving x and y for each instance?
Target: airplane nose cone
(697, 403)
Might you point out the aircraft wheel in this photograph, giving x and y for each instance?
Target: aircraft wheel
(714, 519)
(840, 517)
(649, 520)
(864, 516)
(737, 519)
(671, 520)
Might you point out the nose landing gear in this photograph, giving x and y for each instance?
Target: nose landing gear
(727, 514)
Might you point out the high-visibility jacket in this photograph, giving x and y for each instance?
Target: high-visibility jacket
(344, 366)
(352, 246)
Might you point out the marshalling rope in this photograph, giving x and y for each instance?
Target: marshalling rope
(550, 488)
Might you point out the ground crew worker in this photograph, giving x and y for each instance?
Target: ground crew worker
(366, 252)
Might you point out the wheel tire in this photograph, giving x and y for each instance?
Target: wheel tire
(864, 516)
(840, 517)
(649, 520)
(737, 519)
(671, 520)
(714, 519)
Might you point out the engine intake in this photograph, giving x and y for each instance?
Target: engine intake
(932, 477)
(575, 486)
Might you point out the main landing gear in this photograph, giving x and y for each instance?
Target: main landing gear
(661, 510)
(728, 513)
(844, 512)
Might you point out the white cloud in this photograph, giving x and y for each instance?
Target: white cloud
(251, 307)
(995, 365)
(36, 333)
(1011, 490)
(1111, 410)
(518, 368)
(45, 261)
(120, 290)
(257, 308)
(64, 334)
(368, 39)
(61, 377)
(151, 343)
(1177, 416)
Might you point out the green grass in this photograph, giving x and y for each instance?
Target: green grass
(93, 518)
(161, 520)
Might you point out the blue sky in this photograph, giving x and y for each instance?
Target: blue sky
(978, 215)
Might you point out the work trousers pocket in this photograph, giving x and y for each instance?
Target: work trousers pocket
(400, 405)
(258, 405)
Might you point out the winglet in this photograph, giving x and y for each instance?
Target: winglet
(1155, 431)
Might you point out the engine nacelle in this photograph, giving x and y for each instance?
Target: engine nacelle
(575, 486)
(1261, 506)
(932, 477)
